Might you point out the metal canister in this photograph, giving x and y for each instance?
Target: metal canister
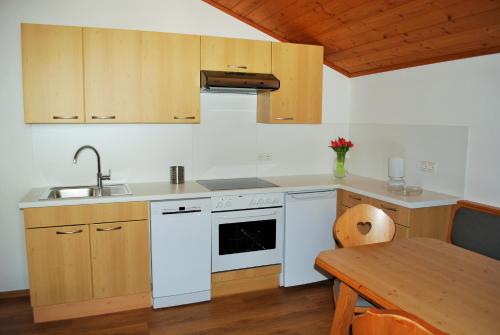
(177, 174)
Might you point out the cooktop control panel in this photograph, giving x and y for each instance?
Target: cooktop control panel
(247, 201)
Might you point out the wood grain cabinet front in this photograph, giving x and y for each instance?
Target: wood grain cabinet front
(235, 55)
(52, 74)
(410, 222)
(59, 265)
(89, 262)
(120, 258)
(141, 77)
(299, 99)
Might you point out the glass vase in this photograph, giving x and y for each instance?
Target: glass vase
(340, 168)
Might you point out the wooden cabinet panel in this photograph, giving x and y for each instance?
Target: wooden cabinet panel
(141, 77)
(235, 55)
(52, 74)
(350, 199)
(401, 232)
(112, 71)
(120, 258)
(59, 265)
(84, 214)
(410, 222)
(398, 214)
(170, 78)
(299, 99)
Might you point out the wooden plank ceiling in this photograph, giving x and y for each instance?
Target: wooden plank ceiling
(368, 36)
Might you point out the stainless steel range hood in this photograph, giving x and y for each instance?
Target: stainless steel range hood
(237, 82)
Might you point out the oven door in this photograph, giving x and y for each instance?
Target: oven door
(247, 238)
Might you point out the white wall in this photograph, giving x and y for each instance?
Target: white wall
(445, 95)
(42, 155)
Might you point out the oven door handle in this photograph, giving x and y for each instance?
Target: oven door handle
(249, 216)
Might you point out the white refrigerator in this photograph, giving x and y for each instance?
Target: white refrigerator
(309, 218)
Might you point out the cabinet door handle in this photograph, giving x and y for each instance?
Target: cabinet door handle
(109, 229)
(284, 118)
(108, 117)
(184, 117)
(58, 117)
(355, 198)
(232, 66)
(69, 232)
(389, 208)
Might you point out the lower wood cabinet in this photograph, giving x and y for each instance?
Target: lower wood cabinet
(120, 258)
(98, 267)
(59, 265)
(410, 222)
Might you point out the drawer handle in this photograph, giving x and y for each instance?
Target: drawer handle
(284, 118)
(57, 117)
(355, 198)
(69, 232)
(231, 66)
(389, 208)
(184, 117)
(109, 229)
(108, 117)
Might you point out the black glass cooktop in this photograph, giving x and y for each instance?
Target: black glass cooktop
(234, 184)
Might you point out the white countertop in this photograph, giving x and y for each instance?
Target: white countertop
(164, 191)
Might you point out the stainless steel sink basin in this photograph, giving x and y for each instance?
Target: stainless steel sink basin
(85, 191)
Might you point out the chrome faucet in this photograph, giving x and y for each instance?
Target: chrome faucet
(100, 176)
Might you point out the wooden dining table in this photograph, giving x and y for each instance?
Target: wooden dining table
(453, 289)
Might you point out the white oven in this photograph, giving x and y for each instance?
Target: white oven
(247, 231)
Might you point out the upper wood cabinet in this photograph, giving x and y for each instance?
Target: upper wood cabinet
(299, 99)
(59, 265)
(112, 71)
(134, 76)
(235, 55)
(52, 74)
(170, 88)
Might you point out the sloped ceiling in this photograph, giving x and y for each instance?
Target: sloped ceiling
(367, 36)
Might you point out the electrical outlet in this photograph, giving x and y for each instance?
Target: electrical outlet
(264, 157)
(428, 166)
(431, 167)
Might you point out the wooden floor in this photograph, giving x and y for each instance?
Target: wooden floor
(298, 310)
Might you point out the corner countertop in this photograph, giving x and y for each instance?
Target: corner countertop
(165, 191)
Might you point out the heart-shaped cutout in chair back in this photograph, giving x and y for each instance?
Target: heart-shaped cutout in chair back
(364, 227)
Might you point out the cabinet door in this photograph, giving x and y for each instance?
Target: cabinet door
(120, 258)
(112, 75)
(52, 74)
(299, 98)
(59, 265)
(235, 55)
(170, 87)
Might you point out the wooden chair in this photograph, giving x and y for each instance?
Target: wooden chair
(360, 225)
(475, 227)
(378, 322)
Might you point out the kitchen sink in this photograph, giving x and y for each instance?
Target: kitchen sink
(85, 191)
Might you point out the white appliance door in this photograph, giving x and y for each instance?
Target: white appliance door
(309, 219)
(180, 247)
(252, 258)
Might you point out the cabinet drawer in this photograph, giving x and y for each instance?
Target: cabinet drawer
(401, 232)
(350, 199)
(397, 213)
(84, 214)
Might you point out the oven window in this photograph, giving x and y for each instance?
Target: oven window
(247, 236)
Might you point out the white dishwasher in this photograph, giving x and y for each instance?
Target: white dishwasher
(180, 251)
(309, 218)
